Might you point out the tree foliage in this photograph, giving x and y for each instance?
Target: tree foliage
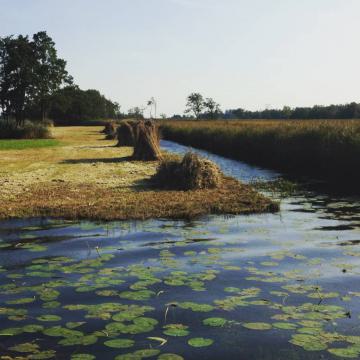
(195, 104)
(30, 72)
(72, 105)
(35, 84)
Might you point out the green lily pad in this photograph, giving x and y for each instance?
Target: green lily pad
(196, 307)
(42, 355)
(137, 295)
(58, 331)
(33, 328)
(25, 348)
(11, 331)
(215, 322)
(82, 357)
(170, 357)
(349, 352)
(257, 326)
(200, 342)
(119, 343)
(48, 318)
(146, 353)
(284, 326)
(81, 340)
(74, 325)
(176, 330)
(21, 301)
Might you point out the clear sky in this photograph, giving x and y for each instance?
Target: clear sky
(243, 53)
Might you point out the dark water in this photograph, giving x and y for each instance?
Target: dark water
(274, 286)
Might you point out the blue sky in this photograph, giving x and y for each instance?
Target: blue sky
(243, 53)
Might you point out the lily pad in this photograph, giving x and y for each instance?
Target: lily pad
(170, 357)
(26, 348)
(200, 342)
(119, 343)
(82, 357)
(257, 326)
(215, 322)
(176, 330)
(48, 318)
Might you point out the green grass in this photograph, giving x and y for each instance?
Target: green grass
(328, 149)
(27, 144)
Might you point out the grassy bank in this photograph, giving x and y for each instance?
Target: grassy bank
(328, 150)
(89, 178)
(27, 144)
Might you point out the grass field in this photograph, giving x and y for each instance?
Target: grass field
(88, 177)
(327, 149)
(27, 144)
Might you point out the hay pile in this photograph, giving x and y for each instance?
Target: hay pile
(147, 141)
(125, 134)
(190, 173)
(110, 131)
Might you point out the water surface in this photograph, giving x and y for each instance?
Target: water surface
(273, 286)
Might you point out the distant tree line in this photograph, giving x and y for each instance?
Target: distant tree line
(34, 84)
(346, 111)
(207, 108)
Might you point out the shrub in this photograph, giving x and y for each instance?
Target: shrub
(29, 130)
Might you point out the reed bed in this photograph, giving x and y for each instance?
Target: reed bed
(324, 149)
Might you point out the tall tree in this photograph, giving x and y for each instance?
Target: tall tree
(50, 71)
(17, 64)
(30, 73)
(195, 104)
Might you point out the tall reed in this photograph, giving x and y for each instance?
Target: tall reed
(328, 149)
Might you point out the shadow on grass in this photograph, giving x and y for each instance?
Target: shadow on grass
(99, 160)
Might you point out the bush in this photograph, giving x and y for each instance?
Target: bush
(29, 130)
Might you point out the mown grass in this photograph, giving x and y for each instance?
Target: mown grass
(90, 178)
(327, 149)
(27, 144)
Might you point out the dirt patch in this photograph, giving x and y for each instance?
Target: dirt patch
(88, 177)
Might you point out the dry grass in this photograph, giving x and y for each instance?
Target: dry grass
(90, 178)
(147, 141)
(190, 173)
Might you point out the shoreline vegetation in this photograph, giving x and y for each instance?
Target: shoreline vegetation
(88, 177)
(327, 150)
